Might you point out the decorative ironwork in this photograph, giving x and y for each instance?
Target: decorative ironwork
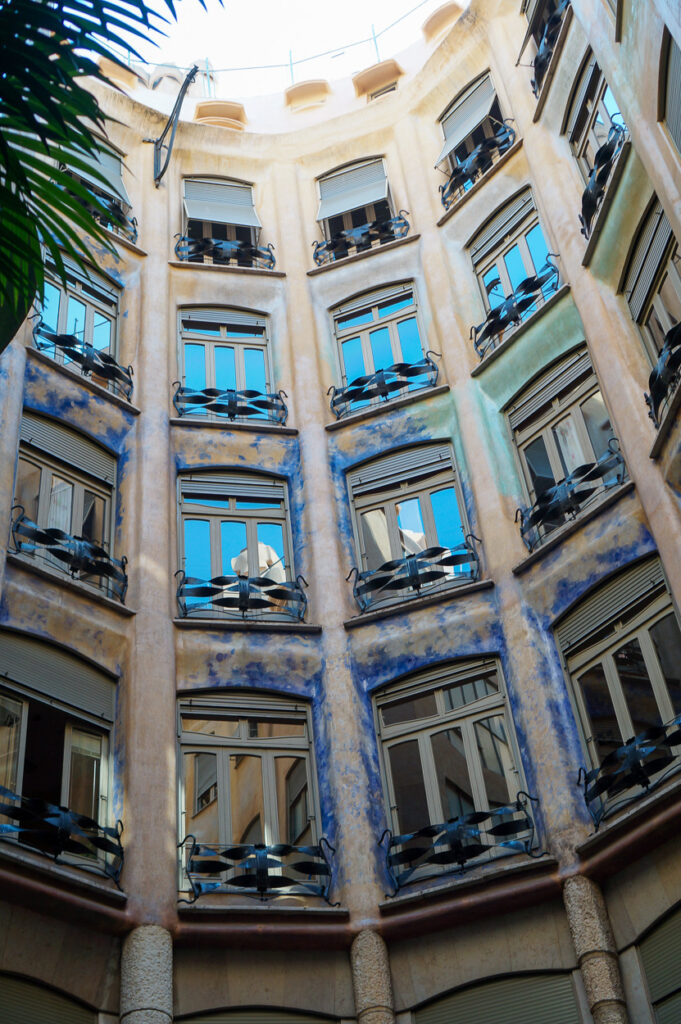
(160, 145)
(241, 594)
(232, 404)
(87, 357)
(477, 163)
(411, 575)
(514, 308)
(56, 830)
(640, 764)
(547, 45)
(604, 161)
(567, 498)
(80, 557)
(357, 239)
(459, 841)
(383, 384)
(223, 250)
(257, 870)
(666, 374)
(115, 219)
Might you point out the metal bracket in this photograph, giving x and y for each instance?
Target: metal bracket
(160, 146)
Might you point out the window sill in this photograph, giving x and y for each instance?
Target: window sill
(560, 535)
(475, 188)
(228, 905)
(75, 586)
(608, 198)
(521, 329)
(415, 603)
(246, 625)
(253, 271)
(125, 242)
(551, 70)
(91, 882)
(263, 926)
(86, 382)
(666, 425)
(396, 403)
(256, 426)
(363, 255)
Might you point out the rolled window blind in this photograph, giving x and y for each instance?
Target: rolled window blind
(222, 202)
(501, 225)
(466, 113)
(69, 446)
(540, 998)
(409, 464)
(352, 188)
(25, 1003)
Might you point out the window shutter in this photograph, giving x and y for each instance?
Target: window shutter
(223, 202)
(247, 705)
(409, 464)
(549, 386)
(233, 486)
(500, 226)
(550, 996)
(351, 188)
(660, 954)
(258, 1017)
(26, 1003)
(58, 674)
(226, 317)
(645, 261)
(579, 98)
(466, 113)
(610, 602)
(672, 105)
(69, 446)
(105, 162)
(399, 291)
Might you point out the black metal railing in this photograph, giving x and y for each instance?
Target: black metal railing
(547, 45)
(477, 163)
(92, 363)
(531, 292)
(453, 845)
(257, 870)
(358, 239)
(241, 595)
(55, 830)
(604, 161)
(637, 767)
(223, 251)
(114, 216)
(414, 575)
(666, 375)
(78, 556)
(566, 499)
(383, 385)
(231, 404)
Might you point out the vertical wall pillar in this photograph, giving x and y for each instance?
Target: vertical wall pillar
(595, 947)
(12, 366)
(147, 976)
(371, 979)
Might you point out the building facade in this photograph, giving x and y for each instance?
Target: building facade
(339, 581)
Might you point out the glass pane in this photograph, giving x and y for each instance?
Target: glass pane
(410, 524)
(293, 811)
(469, 690)
(252, 503)
(353, 360)
(609, 103)
(636, 686)
(539, 252)
(27, 490)
(195, 366)
(496, 760)
(247, 804)
(101, 333)
(667, 640)
(254, 363)
(75, 318)
(410, 342)
(453, 779)
(671, 299)
(388, 308)
(493, 287)
(569, 446)
(225, 368)
(448, 524)
(10, 734)
(357, 320)
(597, 423)
(537, 461)
(93, 517)
(61, 497)
(605, 731)
(376, 538)
(656, 328)
(86, 757)
(515, 266)
(50, 307)
(200, 327)
(211, 726)
(244, 330)
(234, 549)
(201, 796)
(411, 805)
(206, 499)
(197, 548)
(271, 557)
(266, 728)
(410, 709)
(381, 351)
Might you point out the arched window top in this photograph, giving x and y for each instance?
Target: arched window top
(501, 224)
(651, 244)
(671, 87)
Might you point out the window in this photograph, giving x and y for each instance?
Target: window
(106, 163)
(220, 211)
(672, 90)
(383, 91)
(659, 952)
(592, 114)
(551, 996)
(30, 1003)
(545, 19)
(353, 198)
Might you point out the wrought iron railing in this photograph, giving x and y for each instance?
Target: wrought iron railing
(528, 296)
(92, 363)
(547, 45)
(223, 251)
(414, 575)
(114, 217)
(54, 830)
(453, 845)
(638, 766)
(566, 499)
(358, 239)
(477, 163)
(666, 375)
(604, 161)
(383, 385)
(80, 557)
(230, 404)
(241, 595)
(257, 870)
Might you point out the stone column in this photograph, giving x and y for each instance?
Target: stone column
(371, 979)
(595, 948)
(147, 976)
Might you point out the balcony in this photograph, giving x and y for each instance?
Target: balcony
(383, 385)
(115, 219)
(233, 405)
(666, 375)
(547, 45)
(604, 162)
(223, 251)
(430, 571)
(631, 770)
(55, 831)
(565, 500)
(477, 164)
(361, 238)
(80, 557)
(247, 596)
(257, 870)
(453, 845)
(530, 295)
(100, 366)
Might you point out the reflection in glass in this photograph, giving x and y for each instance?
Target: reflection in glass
(93, 517)
(201, 796)
(410, 342)
(10, 734)
(234, 548)
(514, 266)
(537, 460)
(453, 779)
(86, 756)
(388, 308)
(597, 423)
(495, 757)
(27, 489)
(61, 497)
(637, 688)
(376, 538)
(409, 709)
(493, 287)
(254, 369)
(539, 253)
(195, 366)
(212, 726)
(271, 559)
(469, 690)
(408, 786)
(75, 319)
(569, 448)
(605, 731)
(410, 524)
(292, 801)
(447, 520)
(381, 349)
(197, 548)
(225, 368)
(246, 799)
(353, 359)
(101, 333)
(50, 307)
(667, 640)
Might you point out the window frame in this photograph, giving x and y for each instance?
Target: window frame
(516, 236)
(226, 231)
(483, 130)
(368, 211)
(98, 295)
(586, 106)
(669, 268)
